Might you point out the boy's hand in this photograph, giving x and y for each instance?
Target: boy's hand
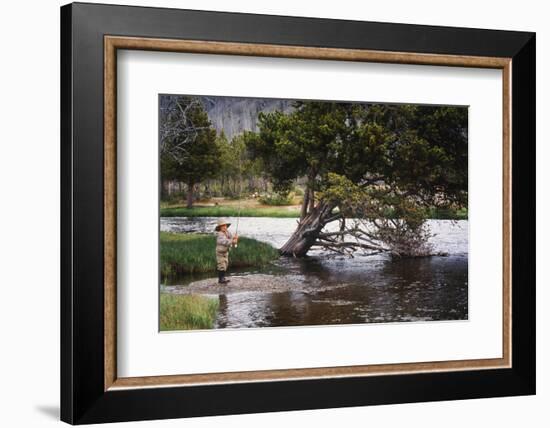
(236, 239)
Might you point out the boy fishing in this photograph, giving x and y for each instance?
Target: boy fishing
(224, 241)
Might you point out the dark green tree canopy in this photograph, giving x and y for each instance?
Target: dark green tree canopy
(188, 148)
(188, 142)
(420, 149)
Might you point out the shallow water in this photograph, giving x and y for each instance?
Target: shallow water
(363, 289)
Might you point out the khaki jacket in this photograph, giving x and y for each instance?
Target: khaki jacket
(223, 241)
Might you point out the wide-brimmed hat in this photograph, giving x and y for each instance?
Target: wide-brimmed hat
(221, 222)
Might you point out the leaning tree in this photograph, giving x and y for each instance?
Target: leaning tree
(189, 151)
(374, 169)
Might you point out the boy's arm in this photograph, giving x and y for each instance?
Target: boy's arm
(223, 240)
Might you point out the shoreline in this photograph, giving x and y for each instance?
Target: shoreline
(283, 211)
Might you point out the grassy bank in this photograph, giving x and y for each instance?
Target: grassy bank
(230, 211)
(187, 312)
(192, 253)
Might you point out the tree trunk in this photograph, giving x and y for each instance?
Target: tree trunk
(308, 230)
(190, 189)
(163, 189)
(311, 199)
(305, 205)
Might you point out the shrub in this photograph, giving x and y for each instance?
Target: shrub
(276, 199)
(298, 191)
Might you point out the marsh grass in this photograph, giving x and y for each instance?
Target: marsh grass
(195, 253)
(187, 312)
(283, 212)
(230, 211)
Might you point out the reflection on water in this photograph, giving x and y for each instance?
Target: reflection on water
(354, 290)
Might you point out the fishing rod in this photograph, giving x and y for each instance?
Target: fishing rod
(240, 201)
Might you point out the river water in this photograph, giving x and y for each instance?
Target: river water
(362, 289)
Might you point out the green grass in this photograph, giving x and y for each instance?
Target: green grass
(194, 253)
(187, 312)
(282, 212)
(230, 211)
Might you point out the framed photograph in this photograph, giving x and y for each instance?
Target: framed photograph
(266, 213)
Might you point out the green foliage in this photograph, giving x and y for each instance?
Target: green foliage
(340, 190)
(231, 157)
(193, 253)
(447, 213)
(398, 219)
(426, 153)
(300, 143)
(187, 312)
(236, 166)
(420, 149)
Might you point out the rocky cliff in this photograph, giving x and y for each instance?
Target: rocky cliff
(234, 115)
